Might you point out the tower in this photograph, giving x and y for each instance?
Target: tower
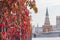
(47, 27)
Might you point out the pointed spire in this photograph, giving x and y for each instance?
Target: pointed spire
(47, 22)
(47, 12)
(47, 27)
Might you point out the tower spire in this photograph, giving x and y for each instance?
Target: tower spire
(47, 22)
(47, 12)
(47, 27)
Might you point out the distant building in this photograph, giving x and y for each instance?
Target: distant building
(47, 27)
(58, 23)
(54, 27)
(36, 29)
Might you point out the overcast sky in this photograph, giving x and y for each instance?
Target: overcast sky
(53, 8)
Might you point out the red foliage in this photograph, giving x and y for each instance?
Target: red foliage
(1, 25)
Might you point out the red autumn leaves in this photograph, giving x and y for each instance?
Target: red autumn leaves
(15, 18)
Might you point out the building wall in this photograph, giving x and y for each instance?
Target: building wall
(47, 28)
(58, 22)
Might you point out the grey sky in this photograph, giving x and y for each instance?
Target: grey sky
(53, 8)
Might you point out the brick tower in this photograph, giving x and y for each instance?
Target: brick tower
(47, 27)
